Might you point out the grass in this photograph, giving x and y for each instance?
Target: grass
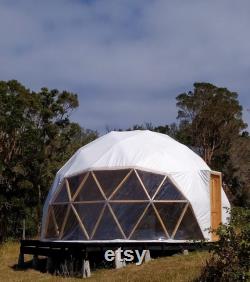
(172, 268)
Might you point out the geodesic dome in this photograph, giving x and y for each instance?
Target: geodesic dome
(135, 185)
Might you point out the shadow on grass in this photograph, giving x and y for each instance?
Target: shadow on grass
(40, 265)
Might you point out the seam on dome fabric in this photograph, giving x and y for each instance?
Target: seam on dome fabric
(80, 150)
(164, 136)
(120, 141)
(99, 139)
(98, 168)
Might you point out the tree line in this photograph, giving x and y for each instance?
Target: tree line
(37, 137)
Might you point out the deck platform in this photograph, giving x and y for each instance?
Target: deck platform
(73, 258)
(58, 248)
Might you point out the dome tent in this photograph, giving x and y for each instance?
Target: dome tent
(134, 185)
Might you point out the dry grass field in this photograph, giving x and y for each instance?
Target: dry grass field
(172, 268)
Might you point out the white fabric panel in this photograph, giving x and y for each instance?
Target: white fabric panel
(225, 205)
(147, 149)
(195, 187)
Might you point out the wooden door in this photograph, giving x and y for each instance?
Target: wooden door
(215, 198)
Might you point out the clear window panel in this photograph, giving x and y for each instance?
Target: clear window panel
(89, 214)
(62, 196)
(128, 214)
(110, 179)
(151, 181)
(72, 229)
(189, 228)
(60, 213)
(131, 189)
(170, 214)
(169, 192)
(74, 182)
(89, 191)
(51, 228)
(107, 228)
(149, 227)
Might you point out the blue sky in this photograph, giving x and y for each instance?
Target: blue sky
(126, 59)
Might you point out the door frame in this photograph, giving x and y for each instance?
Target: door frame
(215, 224)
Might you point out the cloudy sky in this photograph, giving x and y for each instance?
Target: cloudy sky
(126, 59)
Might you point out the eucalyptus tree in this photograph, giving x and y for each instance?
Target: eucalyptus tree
(211, 117)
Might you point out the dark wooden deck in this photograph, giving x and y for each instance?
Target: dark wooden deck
(58, 248)
(69, 258)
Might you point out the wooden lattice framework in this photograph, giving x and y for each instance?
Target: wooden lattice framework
(127, 204)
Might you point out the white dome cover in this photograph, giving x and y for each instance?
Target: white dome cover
(148, 151)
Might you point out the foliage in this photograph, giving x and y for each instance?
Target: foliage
(36, 138)
(171, 129)
(237, 171)
(230, 255)
(211, 124)
(211, 117)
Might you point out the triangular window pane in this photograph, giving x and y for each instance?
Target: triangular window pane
(62, 196)
(60, 213)
(51, 228)
(149, 227)
(131, 189)
(72, 229)
(169, 192)
(128, 214)
(189, 228)
(107, 228)
(170, 214)
(74, 182)
(110, 179)
(89, 214)
(151, 181)
(89, 191)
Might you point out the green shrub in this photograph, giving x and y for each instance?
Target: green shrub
(230, 260)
